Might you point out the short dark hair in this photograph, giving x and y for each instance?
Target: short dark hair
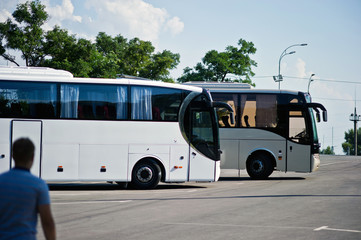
(23, 150)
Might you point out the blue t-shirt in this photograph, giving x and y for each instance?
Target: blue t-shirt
(20, 195)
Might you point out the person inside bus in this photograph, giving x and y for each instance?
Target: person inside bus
(23, 196)
(246, 120)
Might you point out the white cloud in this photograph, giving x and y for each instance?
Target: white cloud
(4, 15)
(59, 13)
(133, 18)
(175, 26)
(301, 68)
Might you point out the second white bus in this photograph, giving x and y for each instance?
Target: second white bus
(274, 129)
(118, 130)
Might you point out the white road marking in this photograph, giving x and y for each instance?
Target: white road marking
(91, 202)
(257, 226)
(236, 225)
(191, 191)
(335, 229)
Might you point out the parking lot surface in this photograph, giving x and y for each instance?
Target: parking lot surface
(322, 205)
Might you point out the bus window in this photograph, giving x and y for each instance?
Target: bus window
(27, 100)
(154, 103)
(202, 135)
(248, 111)
(93, 101)
(222, 113)
(297, 127)
(266, 111)
(259, 111)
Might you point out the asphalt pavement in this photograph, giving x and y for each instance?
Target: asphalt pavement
(322, 205)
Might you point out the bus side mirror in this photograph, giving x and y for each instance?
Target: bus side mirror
(324, 116)
(232, 117)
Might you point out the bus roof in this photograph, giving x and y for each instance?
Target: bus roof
(231, 87)
(43, 74)
(220, 85)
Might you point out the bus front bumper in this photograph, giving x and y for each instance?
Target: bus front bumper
(315, 162)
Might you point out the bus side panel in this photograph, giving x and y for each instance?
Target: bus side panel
(202, 168)
(229, 156)
(103, 162)
(298, 157)
(60, 162)
(178, 165)
(138, 152)
(4, 157)
(4, 145)
(277, 148)
(238, 143)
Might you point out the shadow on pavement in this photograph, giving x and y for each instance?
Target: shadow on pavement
(248, 179)
(111, 187)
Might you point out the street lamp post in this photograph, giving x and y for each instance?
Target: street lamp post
(279, 78)
(309, 82)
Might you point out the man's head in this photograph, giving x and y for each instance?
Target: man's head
(23, 152)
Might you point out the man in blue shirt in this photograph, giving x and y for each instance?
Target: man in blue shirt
(23, 196)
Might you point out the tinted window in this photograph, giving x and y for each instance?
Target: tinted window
(201, 129)
(27, 100)
(297, 127)
(250, 110)
(223, 114)
(155, 103)
(93, 101)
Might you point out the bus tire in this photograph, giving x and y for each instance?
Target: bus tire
(146, 175)
(259, 166)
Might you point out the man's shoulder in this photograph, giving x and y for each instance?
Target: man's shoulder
(25, 177)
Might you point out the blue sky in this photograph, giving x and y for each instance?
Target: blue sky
(331, 28)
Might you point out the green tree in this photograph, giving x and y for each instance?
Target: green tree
(66, 52)
(349, 145)
(159, 66)
(107, 57)
(135, 57)
(25, 34)
(216, 66)
(328, 151)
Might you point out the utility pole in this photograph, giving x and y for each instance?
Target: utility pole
(355, 118)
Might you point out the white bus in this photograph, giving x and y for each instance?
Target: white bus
(117, 130)
(274, 129)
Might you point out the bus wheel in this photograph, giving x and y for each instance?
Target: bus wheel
(259, 166)
(145, 175)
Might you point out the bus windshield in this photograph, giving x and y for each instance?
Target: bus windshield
(314, 128)
(201, 129)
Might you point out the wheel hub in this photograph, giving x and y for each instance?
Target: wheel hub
(257, 166)
(144, 174)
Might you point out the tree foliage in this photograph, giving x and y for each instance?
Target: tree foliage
(25, 34)
(349, 145)
(216, 66)
(328, 151)
(107, 57)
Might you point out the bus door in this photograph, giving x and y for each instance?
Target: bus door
(203, 147)
(298, 143)
(31, 130)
